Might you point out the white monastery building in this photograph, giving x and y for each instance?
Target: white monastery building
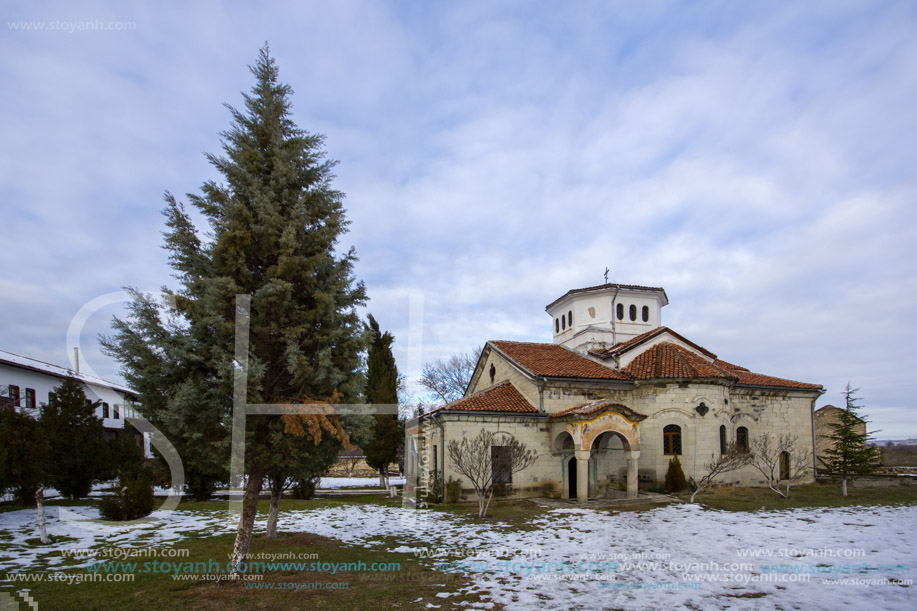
(28, 383)
(610, 402)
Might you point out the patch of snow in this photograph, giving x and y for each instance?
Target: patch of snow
(356, 482)
(647, 554)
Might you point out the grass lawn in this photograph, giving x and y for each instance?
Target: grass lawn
(358, 589)
(732, 498)
(516, 513)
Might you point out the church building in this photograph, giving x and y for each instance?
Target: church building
(609, 402)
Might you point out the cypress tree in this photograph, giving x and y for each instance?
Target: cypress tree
(382, 389)
(274, 222)
(76, 439)
(850, 453)
(675, 476)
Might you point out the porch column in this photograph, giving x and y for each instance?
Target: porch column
(582, 475)
(632, 456)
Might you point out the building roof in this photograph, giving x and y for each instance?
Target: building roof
(600, 405)
(24, 362)
(502, 397)
(827, 409)
(555, 361)
(633, 342)
(602, 287)
(667, 360)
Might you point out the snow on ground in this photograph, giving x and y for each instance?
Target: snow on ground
(558, 564)
(356, 482)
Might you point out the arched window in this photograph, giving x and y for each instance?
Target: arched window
(620, 311)
(633, 312)
(493, 373)
(671, 439)
(105, 412)
(556, 325)
(723, 439)
(563, 323)
(742, 438)
(646, 313)
(570, 319)
(784, 465)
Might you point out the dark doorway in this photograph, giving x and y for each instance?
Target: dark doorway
(784, 465)
(571, 478)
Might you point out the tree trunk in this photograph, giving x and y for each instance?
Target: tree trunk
(273, 513)
(40, 503)
(844, 486)
(246, 522)
(381, 479)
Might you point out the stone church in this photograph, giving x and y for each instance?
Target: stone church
(609, 402)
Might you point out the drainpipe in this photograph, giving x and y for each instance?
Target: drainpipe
(544, 382)
(814, 440)
(442, 450)
(614, 332)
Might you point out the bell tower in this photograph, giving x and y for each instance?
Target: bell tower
(599, 317)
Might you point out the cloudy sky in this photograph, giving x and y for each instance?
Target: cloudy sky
(756, 159)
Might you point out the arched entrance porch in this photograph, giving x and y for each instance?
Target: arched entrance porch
(601, 426)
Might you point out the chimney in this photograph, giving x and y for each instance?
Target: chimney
(76, 360)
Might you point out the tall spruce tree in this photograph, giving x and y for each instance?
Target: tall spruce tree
(274, 223)
(76, 438)
(26, 451)
(850, 453)
(382, 389)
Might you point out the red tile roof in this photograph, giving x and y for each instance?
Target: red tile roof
(555, 361)
(671, 361)
(747, 378)
(500, 398)
(668, 360)
(597, 406)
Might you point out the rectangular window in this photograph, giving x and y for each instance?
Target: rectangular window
(14, 395)
(30, 398)
(117, 412)
(500, 463)
(435, 460)
(105, 412)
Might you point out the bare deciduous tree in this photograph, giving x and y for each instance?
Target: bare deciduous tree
(448, 379)
(473, 458)
(780, 459)
(733, 458)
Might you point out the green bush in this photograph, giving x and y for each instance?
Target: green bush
(453, 490)
(304, 489)
(435, 492)
(199, 486)
(135, 499)
(675, 477)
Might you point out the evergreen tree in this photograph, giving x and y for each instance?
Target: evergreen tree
(26, 452)
(675, 476)
(76, 437)
(274, 223)
(125, 457)
(178, 388)
(850, 453)
(382, 389)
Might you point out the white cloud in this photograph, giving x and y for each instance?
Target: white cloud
(757, 162)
